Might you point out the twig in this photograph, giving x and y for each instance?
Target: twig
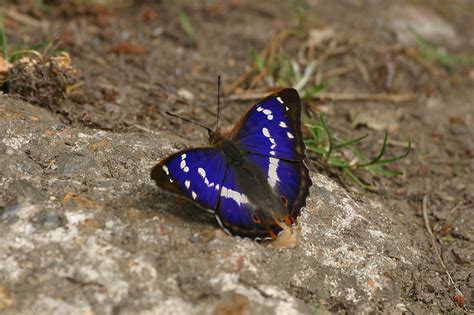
(415, 56)
(270, 50)
(363, 71)
(23, 19)
(338, 71)
(435, 247)
(229, 89)
(308, 72)
(397, 143)
(142, 128)
(389, 97)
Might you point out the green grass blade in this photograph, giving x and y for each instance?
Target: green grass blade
(258, 60)
(186, 25)
(397, 158)
(311, 146)
(338, 163)
(329, 135)
(312, 90)
(381, 153)
(3, 41)
(382, 171)
(358, 181)
(350, 142)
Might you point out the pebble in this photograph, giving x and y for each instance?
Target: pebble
(187, 95)
(405, 20)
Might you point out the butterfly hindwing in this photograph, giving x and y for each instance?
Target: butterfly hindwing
(239, 213)
(272, 127)
(289, 180)
(194, 173)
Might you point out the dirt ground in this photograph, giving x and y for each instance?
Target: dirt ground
(129, 62)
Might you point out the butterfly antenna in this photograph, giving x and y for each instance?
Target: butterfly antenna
(191, 121)
(218, 100)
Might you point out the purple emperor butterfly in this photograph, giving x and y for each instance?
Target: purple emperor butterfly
(254, 180)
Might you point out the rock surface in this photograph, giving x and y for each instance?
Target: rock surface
(84, 230)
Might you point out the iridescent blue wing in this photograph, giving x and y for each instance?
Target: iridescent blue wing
(238, 214)
(270, 133)
(289, 180)
(272, 127)
(193, 173)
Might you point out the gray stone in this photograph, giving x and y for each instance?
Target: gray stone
(94, 234)
(407, 20)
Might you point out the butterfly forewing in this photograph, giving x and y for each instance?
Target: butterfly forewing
(272, 127)
(194, 173)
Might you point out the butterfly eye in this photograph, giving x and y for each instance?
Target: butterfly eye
(284, 200)
(255, 218)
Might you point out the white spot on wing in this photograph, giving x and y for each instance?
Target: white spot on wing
(202, 172)
(165, 169)
(187, 183)
(290, 135)
(194, 195)
(282, 124)
(186, 169)
(265, 132)
(259, 109)
(183, 156)
(182, 164)
(279, 99)
(234, 195)
(270, 117)
(267, 112)
(272, 152)
(217, 187)
(286, 108)
(272, 172)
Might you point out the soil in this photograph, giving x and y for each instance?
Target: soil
(85, 230)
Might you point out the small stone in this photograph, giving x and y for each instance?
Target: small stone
(187, 95)
(6, 298)
(48, 220)
(91, 224)
(470, 280)
(10, 214)
(407, 21)
(236, 304)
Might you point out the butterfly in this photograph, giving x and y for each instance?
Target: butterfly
(254, 178)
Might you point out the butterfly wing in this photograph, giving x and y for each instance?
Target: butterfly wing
(273, 127)
(193, 173)
(270, 133)
(289, 180)
(238, 213)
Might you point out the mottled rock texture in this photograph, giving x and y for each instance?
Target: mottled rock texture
(84, 230)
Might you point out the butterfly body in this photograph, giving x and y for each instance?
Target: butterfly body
(253, 179)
